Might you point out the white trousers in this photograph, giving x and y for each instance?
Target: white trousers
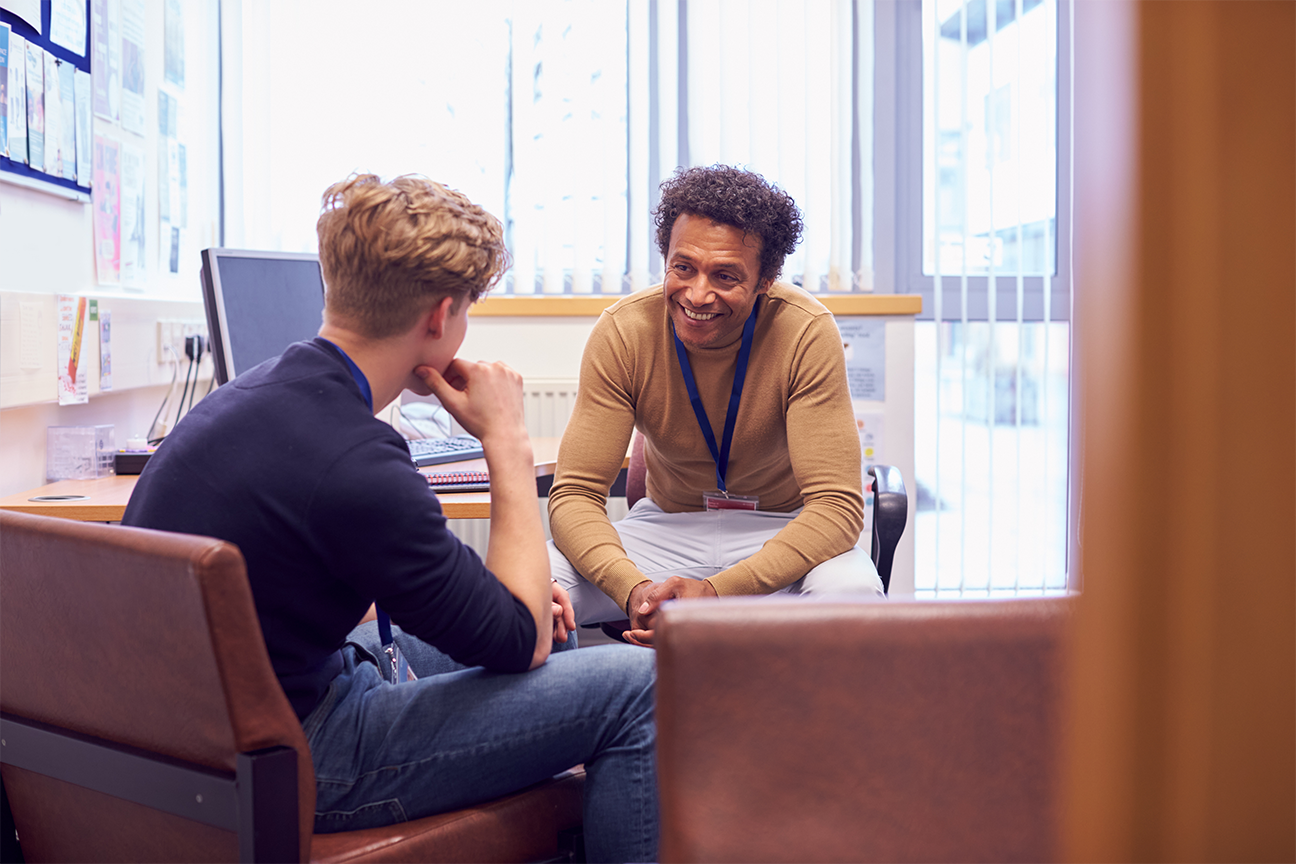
(697, 545)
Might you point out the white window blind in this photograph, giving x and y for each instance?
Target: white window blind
(561, 117)
(992, 400)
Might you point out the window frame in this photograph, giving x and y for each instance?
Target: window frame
(906, 30)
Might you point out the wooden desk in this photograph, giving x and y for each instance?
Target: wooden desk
(105, 499)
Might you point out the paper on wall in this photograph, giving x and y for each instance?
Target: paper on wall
(173, 43)
(36, 106)
(134, 270)
(114, 59)
(29, 336)
(68, 25)
(4, 89)
(17, 98)
(28, 10)
(53, 117)
(83, 126)
(864, 341)
(872, 446)
(105, 349)
(72, 387)
(99, 56)
(106, 196)
(132, 67)
(67, 122)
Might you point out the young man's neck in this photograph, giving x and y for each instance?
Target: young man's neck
(381, 360)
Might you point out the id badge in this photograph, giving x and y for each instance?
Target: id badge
(724, 501)
(401, 671)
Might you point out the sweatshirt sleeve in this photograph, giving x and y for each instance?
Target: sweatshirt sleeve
(589, 459)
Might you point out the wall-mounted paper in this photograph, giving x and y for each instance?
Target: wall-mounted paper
(83, 126)
(133, 40)
(99, 56)
(105, 349)
(134, 270)
(68, 25)
(67, 123)
(28, 10)
(72, 386)
(864, 340)
(53, 117)
(173, 39)
(107, 209)
(4, 89)
(36, 106)
(29, 336)
(17, 98)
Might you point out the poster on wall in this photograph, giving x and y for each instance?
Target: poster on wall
(67, 122)
(132, 54)
(864, 341)
(99, 56)
(72, 317)
(68, 25)
(35, 105)
(872, 446)
(134, 270)
(4, 89)
(17, 98)
(107, 210)
(53, 117)
(173, 43)
(28, 10)
(105, 350)
(83, 125)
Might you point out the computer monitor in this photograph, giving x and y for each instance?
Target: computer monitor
(258, 303)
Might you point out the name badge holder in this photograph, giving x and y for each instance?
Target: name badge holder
(400, 670)
(721, 499)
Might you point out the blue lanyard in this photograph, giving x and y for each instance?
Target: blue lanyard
(361, 381)
(721, 454)
(384, 620)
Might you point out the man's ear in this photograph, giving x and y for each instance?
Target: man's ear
(437, 315)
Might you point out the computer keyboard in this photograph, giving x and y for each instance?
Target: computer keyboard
(436, 451)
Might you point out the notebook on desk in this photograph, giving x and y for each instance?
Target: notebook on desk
(459, 481)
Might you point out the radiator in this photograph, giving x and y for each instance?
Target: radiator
(548, 403)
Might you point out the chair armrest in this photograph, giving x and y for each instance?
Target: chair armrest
(890, 513)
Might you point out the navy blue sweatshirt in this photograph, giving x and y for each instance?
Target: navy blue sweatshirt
(288, 463)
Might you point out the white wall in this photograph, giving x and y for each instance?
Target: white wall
(47, 249)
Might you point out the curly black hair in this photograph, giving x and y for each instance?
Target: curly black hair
(734, 197)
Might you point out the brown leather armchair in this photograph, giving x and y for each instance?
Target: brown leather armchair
(867, 731)
(142, 720)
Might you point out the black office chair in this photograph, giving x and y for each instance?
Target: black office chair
(890, 513)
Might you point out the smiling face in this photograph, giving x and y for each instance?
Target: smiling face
(712, 280)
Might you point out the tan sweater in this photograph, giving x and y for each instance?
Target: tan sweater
(795, 442)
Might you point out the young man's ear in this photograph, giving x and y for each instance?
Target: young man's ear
(437, 316)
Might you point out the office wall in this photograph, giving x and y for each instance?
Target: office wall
(1183, 732)
(47, 249)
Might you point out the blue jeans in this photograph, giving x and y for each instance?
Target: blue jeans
(386, 753)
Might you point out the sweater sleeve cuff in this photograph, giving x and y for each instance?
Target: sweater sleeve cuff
(620, 581)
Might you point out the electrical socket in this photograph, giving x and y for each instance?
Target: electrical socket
(172, 331)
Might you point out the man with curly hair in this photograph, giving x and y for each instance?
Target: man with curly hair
(289, 462)
(737, 383)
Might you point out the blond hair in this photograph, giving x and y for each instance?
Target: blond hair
(390, 251)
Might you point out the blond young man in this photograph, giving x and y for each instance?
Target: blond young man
(288, 462)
